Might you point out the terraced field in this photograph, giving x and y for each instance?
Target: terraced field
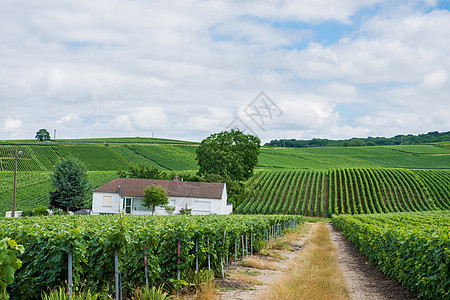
(346, 191)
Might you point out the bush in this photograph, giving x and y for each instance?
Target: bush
(169, 209)
(63, 294)
(27, 213)
(151, 294)
(40, 211)
(58, 212)
(185, 211)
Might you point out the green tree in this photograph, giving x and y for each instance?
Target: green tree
(229, 154)
(43, 135)
(71, 183)
(155, 196)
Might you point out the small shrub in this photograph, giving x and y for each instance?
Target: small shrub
(27, 213)
(258, 245)
(58, 212)
(40, 211)
(151, 294)
(169, 209)
(185, 211)
(61, 293)
(204, 284)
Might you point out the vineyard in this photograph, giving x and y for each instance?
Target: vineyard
(33, 188)
(411, 248)
(120, 155)
(170, 243)
(346, 191)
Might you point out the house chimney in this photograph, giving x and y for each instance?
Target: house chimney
(118, 189)
(176, 178)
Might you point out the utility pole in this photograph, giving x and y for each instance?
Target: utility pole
(54, 134)
(13, 211)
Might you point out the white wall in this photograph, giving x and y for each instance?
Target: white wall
(97, 204)
(199, 206)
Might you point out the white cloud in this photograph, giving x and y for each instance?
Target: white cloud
(68, 118)
(184, 68)
(12, 124)
(148, 118)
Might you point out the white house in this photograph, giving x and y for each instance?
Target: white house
(125, 195)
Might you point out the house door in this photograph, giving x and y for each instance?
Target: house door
(127, 203)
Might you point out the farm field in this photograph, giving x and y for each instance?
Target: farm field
(93, 240)
(346, 191)
(33, 188)
(105, 157)
(411, 248)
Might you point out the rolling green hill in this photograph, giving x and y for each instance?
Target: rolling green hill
(107, 156)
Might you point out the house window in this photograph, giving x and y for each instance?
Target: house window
(139, 205)
(107, 201)
(202, 206)
(127, 204)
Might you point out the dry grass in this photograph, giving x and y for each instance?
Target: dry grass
(245, 278)
(258, 263)
(314, 274)
(284, 243)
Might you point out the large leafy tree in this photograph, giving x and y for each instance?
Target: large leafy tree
(71, 183)
(43, 135)
(155, 196)
(230, 154)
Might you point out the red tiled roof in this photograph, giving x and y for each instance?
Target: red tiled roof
(135, 188)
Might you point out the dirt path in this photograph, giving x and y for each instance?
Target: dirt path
(364, 280)
(235, 288)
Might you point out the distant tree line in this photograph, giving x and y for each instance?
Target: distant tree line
(430, 137)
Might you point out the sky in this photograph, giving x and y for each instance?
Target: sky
(183, 69)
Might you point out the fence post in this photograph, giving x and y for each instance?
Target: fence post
(221, 258)
(235, 252)
(209, 257)
(196, 255)
(251, 243)
(146, 269)
(69, 261)
(246, 245)
(116, 273)
(178, 266)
